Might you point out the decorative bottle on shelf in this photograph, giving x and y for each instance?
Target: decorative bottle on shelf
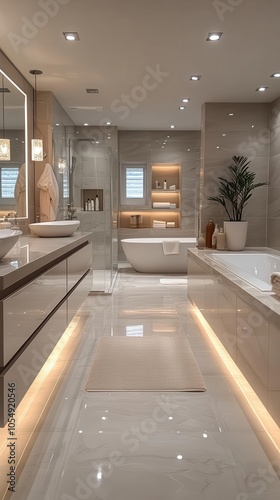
(221, 240)
(209, 232)
(214, 236)
(165, 184)
(92, 205)
(96, 203)
(201, 242)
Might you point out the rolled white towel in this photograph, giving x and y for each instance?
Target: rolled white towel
(275, 278)
(170, 247)
(276, 289)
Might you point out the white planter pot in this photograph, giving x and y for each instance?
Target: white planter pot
(236, 234)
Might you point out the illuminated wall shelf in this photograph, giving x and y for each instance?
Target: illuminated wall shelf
(158, 174)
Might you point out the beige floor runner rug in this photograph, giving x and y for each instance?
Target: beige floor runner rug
(145, 364)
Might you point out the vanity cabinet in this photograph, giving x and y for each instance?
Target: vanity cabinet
(37, 308)
(25, 310)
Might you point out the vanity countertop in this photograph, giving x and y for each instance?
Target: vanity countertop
(32, 253)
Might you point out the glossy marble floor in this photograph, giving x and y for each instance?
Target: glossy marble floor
(110, 446)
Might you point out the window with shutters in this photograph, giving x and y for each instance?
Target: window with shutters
(133, 184)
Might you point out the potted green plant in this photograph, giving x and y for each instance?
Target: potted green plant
(234, 194)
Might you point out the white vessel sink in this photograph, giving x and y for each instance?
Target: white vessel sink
(54, 229)
(8, 238)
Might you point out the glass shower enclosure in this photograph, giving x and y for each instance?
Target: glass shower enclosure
(90, 174)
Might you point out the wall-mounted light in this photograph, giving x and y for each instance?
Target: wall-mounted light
(5, 144)
(37, 152)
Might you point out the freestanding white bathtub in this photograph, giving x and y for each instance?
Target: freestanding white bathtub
(253, 267)
(146, 255)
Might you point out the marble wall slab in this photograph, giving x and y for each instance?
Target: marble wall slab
(273, 219)
(235, 129)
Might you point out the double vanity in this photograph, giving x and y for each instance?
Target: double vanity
(43, 281)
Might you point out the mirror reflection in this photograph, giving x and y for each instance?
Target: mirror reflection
(13, 173)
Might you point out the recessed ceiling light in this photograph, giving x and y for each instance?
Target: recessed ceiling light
(85, 124)
(214, 36)
(195, 78)
(186, 99)
(275, 75)
(92, 91)
(261, 89)
(57, 124)
(71, 36)
(172, 126)
(230, 114)
(182, 107)
(224, 135)
(108, 123)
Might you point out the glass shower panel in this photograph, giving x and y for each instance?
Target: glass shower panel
(90, 179)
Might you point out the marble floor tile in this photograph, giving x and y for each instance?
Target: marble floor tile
(145, 446)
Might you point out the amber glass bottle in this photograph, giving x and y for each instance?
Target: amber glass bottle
(208, 235)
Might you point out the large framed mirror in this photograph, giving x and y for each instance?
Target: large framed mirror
(13, 126)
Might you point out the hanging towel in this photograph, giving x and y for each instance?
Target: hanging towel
(170, 247)
(49, 194)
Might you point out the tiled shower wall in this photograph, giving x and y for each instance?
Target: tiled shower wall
(181, 147)
(230, 129)
(273, 217)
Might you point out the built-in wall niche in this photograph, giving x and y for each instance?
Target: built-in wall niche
(89, 195)
(166, 172)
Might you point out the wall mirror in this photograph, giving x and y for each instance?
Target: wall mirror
(13, 126)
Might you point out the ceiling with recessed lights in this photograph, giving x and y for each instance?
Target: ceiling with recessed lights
(137, 58)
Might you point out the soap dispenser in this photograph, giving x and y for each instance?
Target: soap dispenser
(96, 203)
(214, 236)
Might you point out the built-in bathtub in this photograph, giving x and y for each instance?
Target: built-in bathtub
(146, 255)
(254, 268)
(227, 290)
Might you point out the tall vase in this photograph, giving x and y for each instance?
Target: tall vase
(236, 234)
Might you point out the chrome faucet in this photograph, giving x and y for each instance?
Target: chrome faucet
(70, 211)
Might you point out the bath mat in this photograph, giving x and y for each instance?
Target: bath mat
(145, 364)
(173, 281)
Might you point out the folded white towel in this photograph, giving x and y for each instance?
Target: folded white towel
(275, 277)
(161, 204)
(170, 247)
(170, 224)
